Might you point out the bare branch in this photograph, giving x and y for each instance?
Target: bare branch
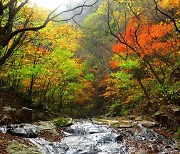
(167, 15)
(21, 5)
(76, 14)
(73, 9)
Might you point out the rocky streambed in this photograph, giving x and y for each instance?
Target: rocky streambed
(89, 137)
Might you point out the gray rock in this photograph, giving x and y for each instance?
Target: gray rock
(141, 151)
(148, 124)
(47, 126)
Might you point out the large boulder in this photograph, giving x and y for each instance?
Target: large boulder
(63, 122)
(168, 115)
(47, 126)
(25, 115)
(161, 117)
(23, 130)
(10, 115)
(7, 115)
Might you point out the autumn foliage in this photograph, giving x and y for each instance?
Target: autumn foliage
(129, 59)
(146, 39)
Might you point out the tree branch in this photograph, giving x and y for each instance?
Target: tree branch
(21, 5)
(167, 15)
(49, 18)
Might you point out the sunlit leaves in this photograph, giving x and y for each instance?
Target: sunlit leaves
(169, 4)
(48, 63)
(146, 40)
(63, 36)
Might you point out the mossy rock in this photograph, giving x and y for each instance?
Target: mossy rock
(177, 133)
(62, 122)
(124, 123)
(47, 126)
(101, 121)
(116, 122)
(18, 148)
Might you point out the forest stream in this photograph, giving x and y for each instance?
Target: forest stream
(86, 137)
(116, 61)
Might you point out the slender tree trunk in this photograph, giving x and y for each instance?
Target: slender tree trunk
(145, 91)
(60, 100)
(33, 77)
(31, 86)
(153, 71)
(11, 50)
(44, 92)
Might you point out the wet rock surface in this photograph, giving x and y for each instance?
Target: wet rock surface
(47, 126)
(148, 140)
(26, 131)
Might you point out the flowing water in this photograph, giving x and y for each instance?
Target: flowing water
(85, 137)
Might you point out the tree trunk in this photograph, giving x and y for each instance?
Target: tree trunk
(33, 77)
(31, 86)
(11, 50)
(145, 91)
(153, 71)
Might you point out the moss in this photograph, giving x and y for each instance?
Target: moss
(17, 148)
(116, 122)
(177, 134)
(101, 121)
(62, 122)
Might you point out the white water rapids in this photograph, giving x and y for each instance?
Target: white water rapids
(85, 137)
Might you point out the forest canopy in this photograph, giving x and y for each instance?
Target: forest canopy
(107, 56)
